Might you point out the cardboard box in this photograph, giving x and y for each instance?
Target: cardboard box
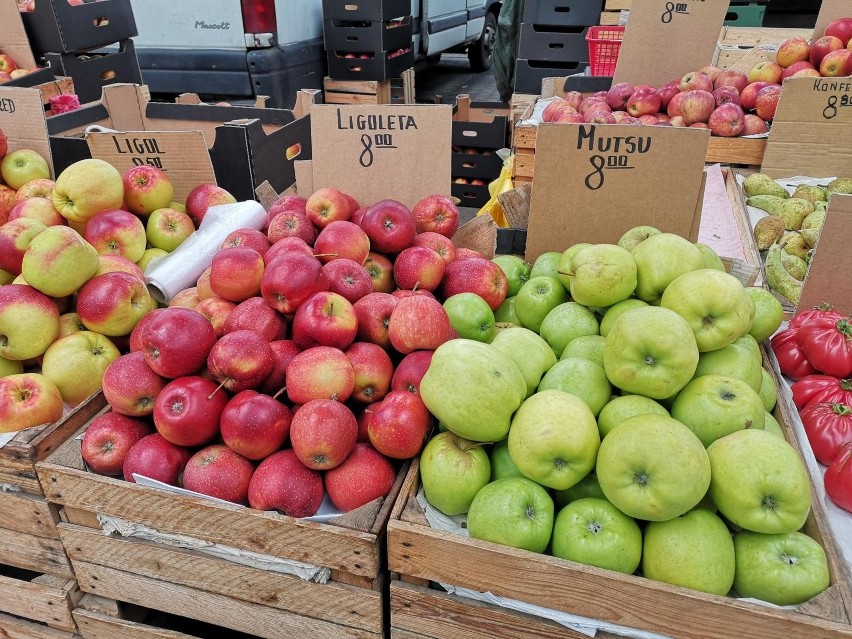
(542, 44)
(381, 10)
(55, 26)
(481, 125)
(562, 13)
(13, 36)
(92, 72)
(23, 121)
(367, 37)
(378, 67)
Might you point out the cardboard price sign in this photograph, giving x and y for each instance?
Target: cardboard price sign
(182, 155)
(813, 119)
(826, 280)
(594, 182)
(378, 152)
(664, 40)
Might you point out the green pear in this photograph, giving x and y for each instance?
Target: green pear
(768, 230)
(840, 185)
(795, 266)
(812, 194)
(768, 203)
(793, 212)
(794, 243)
(812, 226)
(762, 184)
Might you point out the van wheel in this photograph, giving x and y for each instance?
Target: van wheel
(479, 53)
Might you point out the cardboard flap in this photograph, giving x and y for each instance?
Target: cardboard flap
(826, 280)
(594, 182)
(829, 11)
(126, 105)
(13, 36)
(305, 100)
(22, 120)
(811, 129)
(378, 152)
(664, 40)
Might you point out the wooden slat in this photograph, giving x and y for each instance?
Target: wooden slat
(37, 601)
(96, 625)
(16, 628)
(334, 97)
(332, 602)
(610, 18)
(59, 86)
(736, 150)
(524, 137)
(524, 166)
(351, 86)
(39, 554)
(261, 621)
(617, 5)
(28, 514)
(753, 36)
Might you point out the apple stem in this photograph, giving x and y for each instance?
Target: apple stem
(283, 388)
(568, 273)
(416, 284)
(218, 388)
(326, 254)
(477, 445)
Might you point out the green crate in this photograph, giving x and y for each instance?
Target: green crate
(745, 15)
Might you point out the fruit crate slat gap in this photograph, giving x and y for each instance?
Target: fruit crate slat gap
(43, 599)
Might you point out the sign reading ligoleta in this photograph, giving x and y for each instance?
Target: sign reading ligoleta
(376, 152)
(594, 182)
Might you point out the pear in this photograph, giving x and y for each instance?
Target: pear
(840, 185)
(820, 206)
(778, 278)
(768, 203)
(768, 231)
(794, 244)
(810, 193)
(812, 226)
(793, 212)
(762, 184)
(795, 266)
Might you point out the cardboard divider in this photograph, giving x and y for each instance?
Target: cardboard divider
(829, 11)
(827, 279)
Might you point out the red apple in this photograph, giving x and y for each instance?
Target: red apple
(644, 102)
(748, 96)
(767, 102)
(358, 215)
(176, 342)
(380, 270)
(353, 203)
(673, 108)
(441, 244)
(290, 279)
(323, 433)
(677, 121)
(202, 285)
(326, 206)
(711, 72)
(286, 203)
(754, 124)
(792, 50)
(727, 120)
(836, 64)
(695, 82)
(108, 440)
(236, 273)
(365, 476)
(399, 425)
(241, 360)
(551, 109)
(726, 95)
(667, 92)
(342, 239)
(281, 482)
(598, 117)
(363, 419)
(373, 312)
(291, 223)
(420, 267)
(593, 104)
(111, 304)
(410, 371)
(373, 371)
(216, 310)
(15, 237)
(798, 67)
(146, 189)
(841, 29)
(401, 293)
(480, 276)
(4, 144)
(37, 208)
(766, 72)
(348, 278)
(249, 238)
(325, 319)
(699, 125)
(130, 386)
(731, 78)
(437, 214)
(697, 106)
(155, 457)
(390, 226)
(255, 425)
(320, 372)
(574, 99)
(286, 244)
(649, 120)
(562, 117)
(40, 187)
(282, 352)
(219, 472)
(255, 314)
(116, 232)
(618, 95)
(188, 297)
(136, 345)
(7, 63)
(202, 197)
(418, 323)
(7, 201)
(188, 409)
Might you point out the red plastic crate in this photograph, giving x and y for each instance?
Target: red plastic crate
(604, 45)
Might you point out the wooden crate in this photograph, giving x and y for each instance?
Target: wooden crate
(399, 91)
(214, 590)
(735, 42)
(33, 605)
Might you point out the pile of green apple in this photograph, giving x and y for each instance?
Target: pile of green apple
(619, 419)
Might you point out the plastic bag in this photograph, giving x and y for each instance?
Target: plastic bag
(502, 184)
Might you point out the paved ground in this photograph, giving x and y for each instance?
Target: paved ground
(452, 76)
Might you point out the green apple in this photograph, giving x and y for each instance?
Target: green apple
(554, 439)
(530, 353)
(564, 267)
(539, 296)
(586, 487)
(741, 359)
(768, 390)
(6, 277)
(473, 388)
(771, 425)
(150, 256)
(713, 406)
(23, 165)
(516, 271)
(506, 312)
(581, 378)
(714, 303)
(768, 313)
(514, 512)
(650, 351)
(615, 311)
(502, 465)
(784, 569)
(759, 482)
(499, 327)
(653, 467)
(168, 228)
(603, 275)
(470, 316)
(594, 532)
(694, 551)
(10, 367)
(620, 409)
(58, 261)
(565, 323)
(452, 471)
(711, 258)
(660, 260)
(590, 347)
(546, 264)
(636, 236)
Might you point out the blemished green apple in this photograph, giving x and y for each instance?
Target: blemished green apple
(554, 439)
(740, 359)
(168, 228)
(650, 351)
(615, 311)
(784, 569)
(537, 297)
(506, 314)
(474, 389)
(594, 532)
(87, 187)
(759, 482)
(713, 406)
(661, 259)
(514, 512)
(711, 258)
(58, 261)
(502, 465)
(22, 166)
(546, 264)
(771, 425)
(499, 327)
(532, 355)
(768, 313)
(635, 236)
(10, 367)
(566, 322)
(581, 378)
(516, 270)
(590, 347)
(149, 256)
(586, 487)
(76, 364)
(620, 409)
(29, 322)
(603, 275)
(653, 467)
(452, 471)
(470, 316)
(564, 267)
(714, 303)
(694, 551)
(768, 390)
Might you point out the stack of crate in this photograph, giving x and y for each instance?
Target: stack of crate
(89, 42)
(553, 40)
(479, 131)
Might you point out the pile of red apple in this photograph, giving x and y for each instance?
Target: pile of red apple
(730, 103)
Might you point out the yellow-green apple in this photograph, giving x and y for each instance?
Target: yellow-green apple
(29, 322)
(476, 275)
(754, 124)
(618, 95)
(320, 372)
(116, 263)
(168, 228)
(724, 95)
(453, 470)
(130, 386)
(146, 189)
(286, 203)
(410, 371)
(108, 440)
(250, 238)
(177, 341)
(418, 267)
(644, 101)
(697, 106)
(740, 359)
(768, 313)
(7, 201)
(323, 433)
(659, 260)
(217, 311)
(327, 205)
(188, 298)
(792, 50)
(15, 237)
(76, 364)
(822, 47)
(342, 239)
(695, 81)
(255, 425)
(235, 273)
(389, 225)
(87, 187)
(37, 208)
(22, 166)
(796, 67)
(188, 409)
(348, 278)
(373, 370)
(281, 482)
(202, 197)
(7, 63)
(380, 270)
(116, 232)
(219, 472)
(41, 187)
(580, 377)
(291, 223)
(441, 244)
(27, 400)
(399, 425)
(135, 340)
(290, 279)
(622, 408)
(436, 213)
(58, 261)
(731, 78)
(112, 303)
(325, 319)
(70, 323)
(10, 367)
(156, 458)
(834, 65)
(840, 28)
(748, 96)
(766, 72)
(766, 102)
(177, 206)
(255, 314)
(240, 361)
(418, 323)
(602, 275)
(373, 312)
(363, 477)
(150, 256)
(283, 351)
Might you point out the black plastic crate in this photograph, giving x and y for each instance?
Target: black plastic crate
(476, 165)
(381, 10)
(530, 73)
(367, 36)
(511, 241)
(378, 67)
(471, 195)
(92, 72)
(588, 83)
(543, 44)
(568, 13)
(481, 135)
(58, 27)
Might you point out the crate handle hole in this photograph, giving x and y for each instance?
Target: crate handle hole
(352, 38)
(469, 134)
(103, 21)
(557, 45)
(108, 75)
(468, 165)
(351, 7)
(562, 9)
